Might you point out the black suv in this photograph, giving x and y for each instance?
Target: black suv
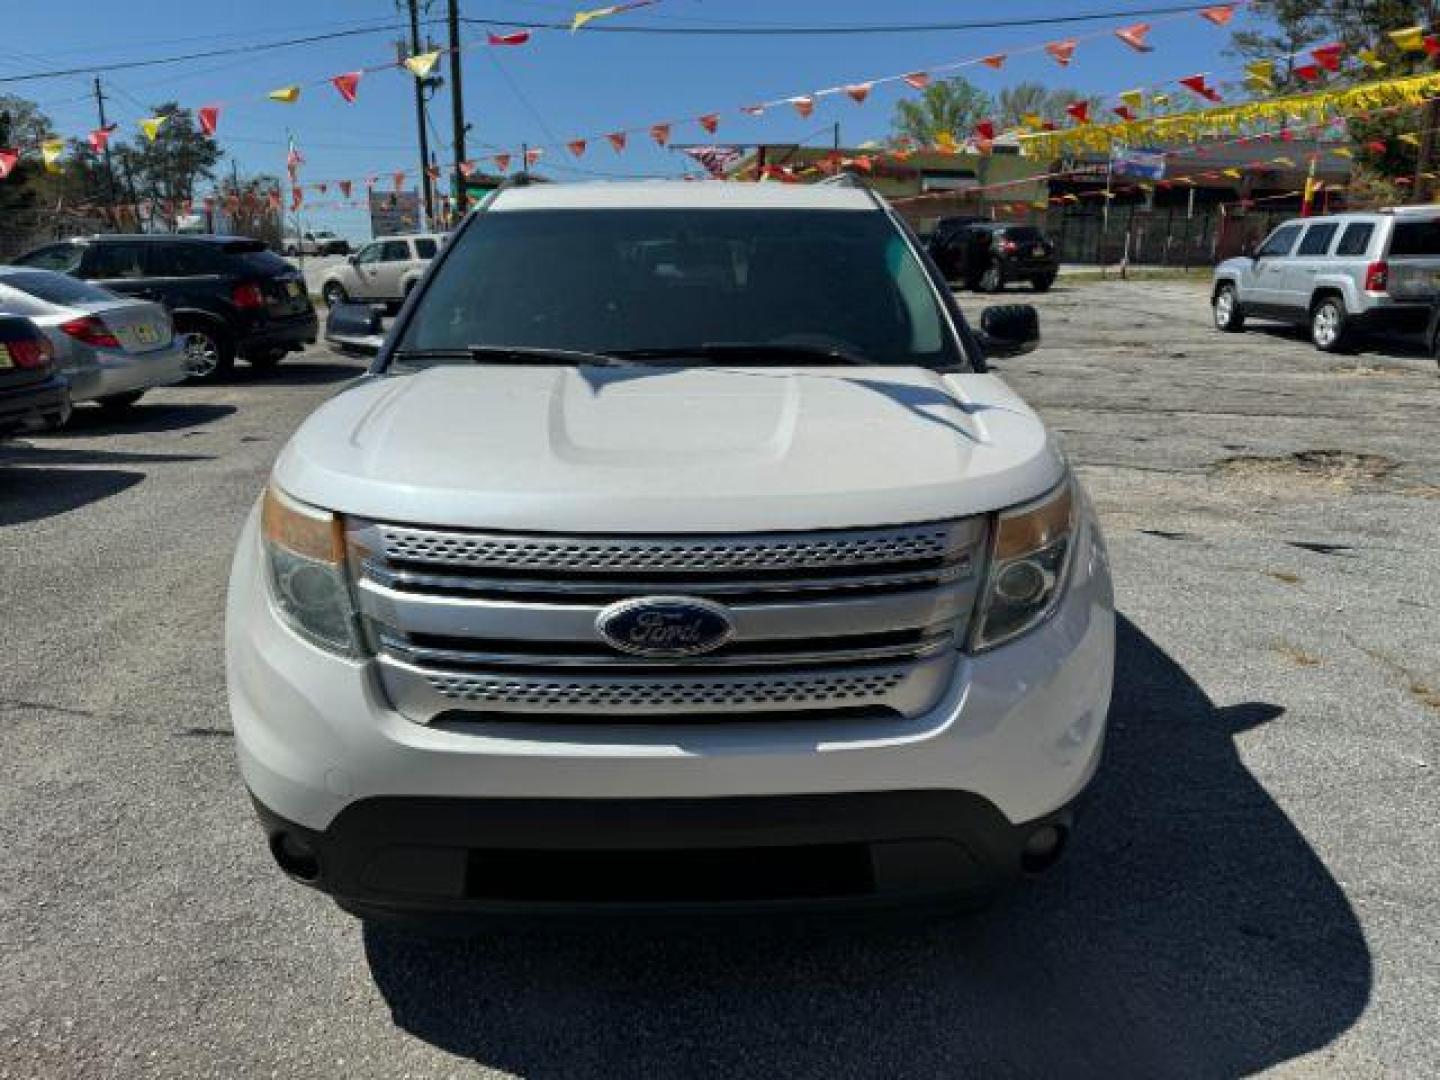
(32, 395)
(985, 255)
(230, 295)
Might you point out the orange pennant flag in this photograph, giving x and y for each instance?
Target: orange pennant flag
(660, 133)
(803, 105)
(502, 162)
(996, 61)
(1134, 36)
(1062, 52)
(753, 110)
(858, 92)
(532, 156)
(209, 117)
(398, 179)
(1080, 111)
(918, 79)
(617, 140)
(1219, 15)
(345, 187)
(467, 169)
(347, 84)
(297, 196)
(576, 147)
(710, 122)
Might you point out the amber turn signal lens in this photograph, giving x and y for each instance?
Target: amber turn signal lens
(301, 530)
(1036, 526)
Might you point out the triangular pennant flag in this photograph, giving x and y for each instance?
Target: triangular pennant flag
(273, 198)
(1160, 100)
(502, 162)
(1411, 39)
(1125, 112)
(520, 37)
(50, 151)
(576, 147)
(753, 110)
(1261, 72)
(946, 142)
(1234, 174)
(803, 105)
(660, 133)
(985, 131)
(617, 140)
(1134, 36)
(1343, 151)
(1062, 52)
(581, 18)
(710, 122)
(1079, 111)
(151, 127)
(1032, 121)
(398, 179)
(467, 169)
(1134, 99)
(421, 64)
(918, 79)
(995, 60)
(286, 95)
(100, 138)
(1410, 139)
(297, 197)
(1198, 85)
(8, 160)
(1371, 59)
(532, 156)
(209, 117)
(345, 187)
(1219, 15)
(858, 92)
(1307, 72)
(347, 84)
(1328, 56)
(1431, 45)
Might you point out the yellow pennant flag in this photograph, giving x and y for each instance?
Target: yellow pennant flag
(1371, 59)
(583, 17)
(1135, 99)
(1411, 39)
(1234, 174)
(1411, 138)
(50, 151)
(287, 95)
(946, 142)
(1261, 72)
(1032, 121)
(1160, 100)
(151, 127)
(421, 64)
(1343, 151)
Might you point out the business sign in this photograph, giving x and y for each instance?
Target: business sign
(948, 180)
(1141, 164)
(394, 212)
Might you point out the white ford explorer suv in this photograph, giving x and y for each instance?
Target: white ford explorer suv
(680, 547)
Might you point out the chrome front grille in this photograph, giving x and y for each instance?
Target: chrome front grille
(506, 624)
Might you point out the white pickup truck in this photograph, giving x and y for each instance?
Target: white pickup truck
(681, 547)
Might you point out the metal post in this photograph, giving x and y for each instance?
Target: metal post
(109, 166)
(426, 196)
(457, 106)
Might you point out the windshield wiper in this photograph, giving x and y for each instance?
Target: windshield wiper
(511, 354)
(762, 352)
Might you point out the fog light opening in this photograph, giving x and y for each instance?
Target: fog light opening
(295, 857)
(1043, 848)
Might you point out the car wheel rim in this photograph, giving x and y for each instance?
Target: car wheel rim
(202, 355)
(1326, 324)
(1224, 304)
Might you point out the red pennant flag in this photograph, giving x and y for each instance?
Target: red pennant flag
(520, 37)
(1307, 72)
(8, 160)
(617, 140)
(1134, 36)
(345, 187)
(1376, 146)
(995, 60)
(858, 92)
(803, 105)
(753, 110)
(1080, 111)
(532, 156)
(347, 84)
(209, 117)
(1124, 112)
(576, 147)
(710, 122)
(297, 196)
(467, 169)
(1062, 52)
(398, 179)
(274, 200)
(660, 133)
(918, 79)
(1432, 44)
(985, 131)
(502, 162)
(1328, 56)
(100, 138)
(1219, 15)
(1198, 85)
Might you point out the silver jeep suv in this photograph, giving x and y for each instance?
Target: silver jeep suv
(1340, 275)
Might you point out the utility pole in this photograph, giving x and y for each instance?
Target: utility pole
(835, 141)
(428, 199)
(109, 167)
(457, 105)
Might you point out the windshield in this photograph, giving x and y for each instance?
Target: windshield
(661, 281)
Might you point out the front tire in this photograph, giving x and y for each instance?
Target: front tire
(1329, 325)
(1226, 308)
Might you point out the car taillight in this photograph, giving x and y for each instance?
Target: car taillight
(248, 295)
(30, 352)
(91, 331)
(1009, 247)
(1377, 277)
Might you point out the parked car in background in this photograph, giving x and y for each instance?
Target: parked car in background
(988, 255)
(229, 296)
(111, 349)
(1341, 276)
(319, 242)
(33, 394)
(383, 271)
(681, 548)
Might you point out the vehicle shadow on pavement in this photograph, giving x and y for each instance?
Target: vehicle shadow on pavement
(142, 419)
(1191, 932)
(33, 494)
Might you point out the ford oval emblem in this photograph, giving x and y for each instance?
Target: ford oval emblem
(665, 626)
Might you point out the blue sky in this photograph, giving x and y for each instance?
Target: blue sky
(559, 86)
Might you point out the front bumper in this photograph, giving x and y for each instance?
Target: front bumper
(99, 378)
(1014, 739)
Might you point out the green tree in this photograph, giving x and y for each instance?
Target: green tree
(22, 126)
(1290, 27)
(949, 106)
(165, 172)
(1037, 99)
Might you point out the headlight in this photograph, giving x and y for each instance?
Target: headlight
(305, 555)
(1029, 560)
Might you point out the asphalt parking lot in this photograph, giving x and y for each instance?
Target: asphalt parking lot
(1254, 888)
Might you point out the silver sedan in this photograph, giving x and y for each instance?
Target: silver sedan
(111, 349)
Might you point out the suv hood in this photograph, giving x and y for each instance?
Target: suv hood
(665, 450)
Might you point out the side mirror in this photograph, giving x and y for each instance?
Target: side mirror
(356, 328)
(1009, 330)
